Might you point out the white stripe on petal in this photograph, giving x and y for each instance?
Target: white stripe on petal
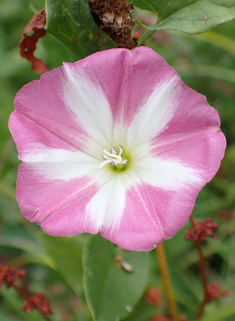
(106, 207)
(166, 174)
(60, 163)
(155, 114)
(89, 104)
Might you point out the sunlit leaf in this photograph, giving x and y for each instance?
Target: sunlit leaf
(190, 16)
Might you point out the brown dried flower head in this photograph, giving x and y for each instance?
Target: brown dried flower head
(115, 18)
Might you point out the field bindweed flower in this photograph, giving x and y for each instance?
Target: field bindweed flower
(115, 143)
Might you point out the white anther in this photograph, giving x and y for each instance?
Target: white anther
(114, 162)
(121, 150)
(112, 157)
(105, 157)
(104, 163)
(125, 161)
(113, 150)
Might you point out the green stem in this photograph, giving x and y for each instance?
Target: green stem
(145, 37)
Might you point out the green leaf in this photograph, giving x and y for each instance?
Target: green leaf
(65, 253)
(71, 22)
(111, 291)
(142, 312)
(190, 16)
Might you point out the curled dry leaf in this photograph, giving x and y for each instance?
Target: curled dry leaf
(32, 32)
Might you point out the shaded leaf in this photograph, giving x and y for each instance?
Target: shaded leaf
(190, 16)
(110, 290)
(72, 23)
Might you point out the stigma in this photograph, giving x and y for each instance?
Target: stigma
(113, 157)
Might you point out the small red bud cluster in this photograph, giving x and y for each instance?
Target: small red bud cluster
(39, 302)
(154, 297)
(10, 275)
(214, 292)
(201, 230)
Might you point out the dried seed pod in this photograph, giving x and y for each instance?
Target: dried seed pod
(115, 18)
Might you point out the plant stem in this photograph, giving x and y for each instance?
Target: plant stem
(202, 272)
(203, 277)
(145, 37)
(166, 281)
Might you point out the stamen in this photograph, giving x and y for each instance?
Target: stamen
(125, 161)
(104, 163)
(112, 157)
(114, 162)
(113, 150)
(121, 150)
(105, 157)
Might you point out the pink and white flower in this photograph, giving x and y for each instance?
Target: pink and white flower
(115, 143)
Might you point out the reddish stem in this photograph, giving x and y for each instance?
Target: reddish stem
(25, 296)
(202, 272)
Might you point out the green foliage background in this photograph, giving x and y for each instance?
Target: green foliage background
(54, 265)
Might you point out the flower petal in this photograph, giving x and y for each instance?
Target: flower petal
(166, 174)
(139, 228)
(50, 104)
(201, 150)
(32, 138)
(88, 103)
(40, 197)
(54, 173)
(100, 212)
(133, 98)
(136, 89)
